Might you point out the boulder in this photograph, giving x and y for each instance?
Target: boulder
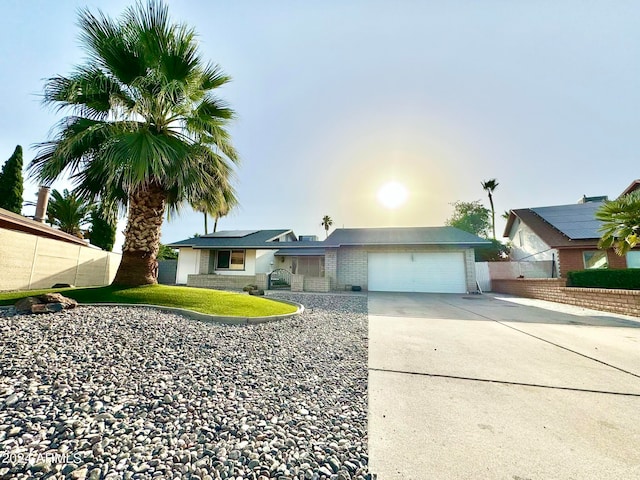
(24, 304)
(46, 303)
(47, 308)
(258, 291)
(58, 298)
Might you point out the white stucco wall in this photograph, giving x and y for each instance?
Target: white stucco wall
(188, 263)
(527, 246)
(264, 261)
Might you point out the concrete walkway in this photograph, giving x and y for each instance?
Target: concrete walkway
(495, 387)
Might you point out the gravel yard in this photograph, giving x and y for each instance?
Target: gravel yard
(117, 392)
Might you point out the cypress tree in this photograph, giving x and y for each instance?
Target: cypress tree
(103, 230)
(11, 183)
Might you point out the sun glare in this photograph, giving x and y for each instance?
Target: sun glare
(392, 194)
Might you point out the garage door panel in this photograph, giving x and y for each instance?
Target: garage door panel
(436, 272)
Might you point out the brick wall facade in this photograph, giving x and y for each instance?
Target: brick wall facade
(262, 281)
(316, 284)
(352, 267)
(204, 262)
(572, 259)
(626, 302)
(297, 282)
(331, 266)
(470, 269)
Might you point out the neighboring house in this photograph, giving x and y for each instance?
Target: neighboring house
(420, 259)
(566, 235)
(635, 185)
(15, 222)
(240, 253)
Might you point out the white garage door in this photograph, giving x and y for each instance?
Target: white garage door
(436, 272)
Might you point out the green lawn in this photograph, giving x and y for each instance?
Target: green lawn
(202, 300)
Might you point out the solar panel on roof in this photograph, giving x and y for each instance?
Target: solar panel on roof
(576, 221)
(231, 234)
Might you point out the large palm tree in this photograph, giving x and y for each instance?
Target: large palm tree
(327, 221)
(68, 212)
(620, 223)
(144, 129)
(489, 186)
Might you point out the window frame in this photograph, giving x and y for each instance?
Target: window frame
(594, 254)
(231, 252)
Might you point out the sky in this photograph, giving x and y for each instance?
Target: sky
(334, 99)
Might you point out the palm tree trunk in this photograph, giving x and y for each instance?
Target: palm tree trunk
(493, 216)
(206, 226)
(215, 224)
(142, 237)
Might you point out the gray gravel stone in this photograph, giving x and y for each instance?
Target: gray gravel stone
(117, 392)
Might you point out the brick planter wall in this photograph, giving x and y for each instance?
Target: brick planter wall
(220, 281)
(626, 302)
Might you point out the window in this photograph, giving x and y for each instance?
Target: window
(595, 259)
(633, 259)
(230, 260)
(310, 266)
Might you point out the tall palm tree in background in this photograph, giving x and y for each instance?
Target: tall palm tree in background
(144, 129)
(620, 223)
(327, 221)
(218, 203)
(69, 212)
(489, 186)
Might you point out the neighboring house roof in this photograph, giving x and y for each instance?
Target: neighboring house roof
(235, 239)
(263, 239)
(577, 221)
(635, 185)
(561, 226)
(403, 236)
(13, 221)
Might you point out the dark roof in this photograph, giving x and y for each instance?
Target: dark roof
(548, 231)
(576, 221)
(300, 252)
(13, 221)
(235, 239)
(403, 236)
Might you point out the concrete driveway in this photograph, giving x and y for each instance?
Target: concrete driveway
(496, 387)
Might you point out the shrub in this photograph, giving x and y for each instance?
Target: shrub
(628, 279)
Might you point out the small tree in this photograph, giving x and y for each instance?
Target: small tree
(327, 221)
(11, 183)
(496, 252)
(167, 253)
(620, 223)
(471, 217)
(103, 228)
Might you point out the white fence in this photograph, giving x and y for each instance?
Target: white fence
(483, 276)
(485, 271)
